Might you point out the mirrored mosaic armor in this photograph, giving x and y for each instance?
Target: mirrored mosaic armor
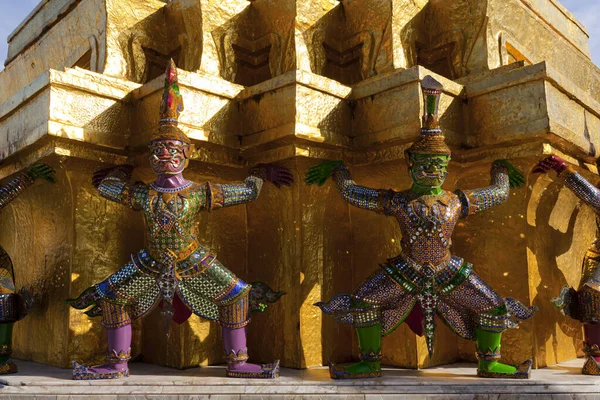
(426, 272)
(425, 281)
(175, 271)
(174, 263)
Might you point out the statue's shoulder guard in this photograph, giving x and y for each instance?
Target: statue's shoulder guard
(394, 201)
(137, 194)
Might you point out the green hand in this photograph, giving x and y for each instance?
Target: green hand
(515, 176)
(321, 172)
(43, 171)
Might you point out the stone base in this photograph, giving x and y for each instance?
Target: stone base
(455, 381)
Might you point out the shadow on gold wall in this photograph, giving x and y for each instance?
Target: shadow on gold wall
(257, 44)
(558, 238)
(352, 41)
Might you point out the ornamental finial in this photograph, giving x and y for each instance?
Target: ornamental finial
(170, 108)
(431, 139)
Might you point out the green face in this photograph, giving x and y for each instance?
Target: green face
(428, 171)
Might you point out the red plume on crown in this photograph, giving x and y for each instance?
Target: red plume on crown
(170, 108)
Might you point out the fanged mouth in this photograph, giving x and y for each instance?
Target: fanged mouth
(429, 175)
(165, 160)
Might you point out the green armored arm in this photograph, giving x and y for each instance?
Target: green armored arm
(359, 196)
(504, 176)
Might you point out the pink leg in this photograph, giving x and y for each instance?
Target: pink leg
(592, 336)
(235, 339)
(119, 349)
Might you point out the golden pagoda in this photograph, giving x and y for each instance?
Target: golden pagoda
(294, 82)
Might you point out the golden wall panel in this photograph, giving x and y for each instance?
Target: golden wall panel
(516, 112)
(373, 123)
(554, 257)
(265, 114)
(216, 16)
(25, 125)
(322, 117)
(513, 22)
(76, 115)
(275, 256)
(44, 15)
(573, 123)
(136, 36)
(81, 30)
(253, 42)
(407, 29)
(36, 232)
(560, 19)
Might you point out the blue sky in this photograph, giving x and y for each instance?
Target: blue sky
(586, 11)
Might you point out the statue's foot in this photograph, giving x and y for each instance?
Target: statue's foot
(106, 371)
(495, 369)
(8, 367)
(591, 366)
(253, 371)
(363, 369)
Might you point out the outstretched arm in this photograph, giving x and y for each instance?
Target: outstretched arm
(220, 196)
(14, 188)
(114, 184)
(504, 176)
(359, 196)
(587, 192)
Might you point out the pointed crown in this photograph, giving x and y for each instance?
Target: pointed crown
(431, 139)
(170, 108)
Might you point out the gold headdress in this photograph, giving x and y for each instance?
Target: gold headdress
(170, 108)
(431, 138)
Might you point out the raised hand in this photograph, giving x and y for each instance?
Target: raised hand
(278, 176)
(515, 177)
(43, 171)
(554, 163)
(321, 172)
(100, 174)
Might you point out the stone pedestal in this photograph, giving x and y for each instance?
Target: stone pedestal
(450, 382)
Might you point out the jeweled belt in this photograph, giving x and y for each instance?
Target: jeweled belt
(428, 282)
(188, 264)
(169, 255)
(411, 275)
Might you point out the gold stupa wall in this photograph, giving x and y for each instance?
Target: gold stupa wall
(296, 82)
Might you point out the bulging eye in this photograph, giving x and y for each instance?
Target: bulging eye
(173, 151)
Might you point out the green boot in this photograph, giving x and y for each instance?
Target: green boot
(369, 342)
(488, 354)
(6, 366)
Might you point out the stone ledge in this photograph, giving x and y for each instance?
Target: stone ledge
(45, 15)
(447, 382)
